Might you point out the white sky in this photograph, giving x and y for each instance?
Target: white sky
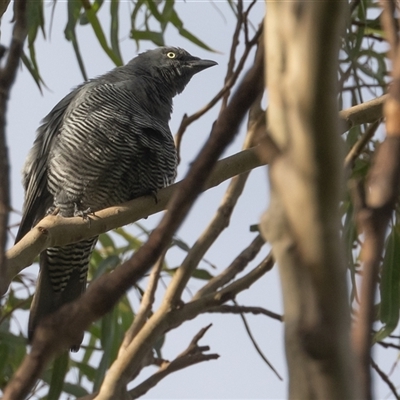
(239, 372)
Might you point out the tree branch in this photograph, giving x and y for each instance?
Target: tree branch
(236, 309)
(359, 146)
(237, 266)
(145, 305)
(385, 378)
(376, 204)
(302, 222)
(363, 113)
(57, 231)
(7, 78)
(165, 319)
(256, 346)
(194, 354)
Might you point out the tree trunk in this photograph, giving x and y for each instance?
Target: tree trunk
(303, 221)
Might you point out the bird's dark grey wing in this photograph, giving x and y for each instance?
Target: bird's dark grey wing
(119, 150)
(37, 197)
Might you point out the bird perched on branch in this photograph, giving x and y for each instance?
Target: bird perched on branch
(105, 143)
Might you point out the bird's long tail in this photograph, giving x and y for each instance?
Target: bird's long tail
(62, 279)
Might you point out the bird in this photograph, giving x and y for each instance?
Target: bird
(107, 142)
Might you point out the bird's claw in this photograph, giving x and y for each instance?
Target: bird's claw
(84, 214)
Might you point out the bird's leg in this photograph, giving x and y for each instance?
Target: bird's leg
(53, 210)
(83, 213)
(153, 194)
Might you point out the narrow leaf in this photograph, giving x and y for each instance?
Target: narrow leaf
(60, 368)
(114, 29)
(390, 286)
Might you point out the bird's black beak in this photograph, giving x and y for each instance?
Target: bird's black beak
(198, 64)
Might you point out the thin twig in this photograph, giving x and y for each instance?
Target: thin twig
(385, 378)
(228, 309)
(387, 345)
(359, 146)
(256, 346)
(229, 273)
(194, 354)
(146, 303)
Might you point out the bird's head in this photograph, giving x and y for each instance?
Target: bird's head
(171, 66)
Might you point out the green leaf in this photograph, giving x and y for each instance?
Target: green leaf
(98, 30)
(86, 369)
(158, 345)
(60, 369)
(107, 265)
(134, 242)
(155, 37)
(107, 242)
(75, 390)
(74, 9)
(83, 20)
(114, 28)
(390, 286)
(197, 273)
(109, 343)
(181, 244)
(176, 21)
(202, 274)
(126, 313)
(4, 353)
(152, 5)
(35, 20)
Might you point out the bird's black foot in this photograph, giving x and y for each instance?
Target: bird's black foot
(153, 194)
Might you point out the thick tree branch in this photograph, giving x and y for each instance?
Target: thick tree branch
(7, 77)
(303, 222)
(376, 204)
(61, 329)
(58, 231)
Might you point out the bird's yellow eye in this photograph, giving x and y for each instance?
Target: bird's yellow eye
(171, 54)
